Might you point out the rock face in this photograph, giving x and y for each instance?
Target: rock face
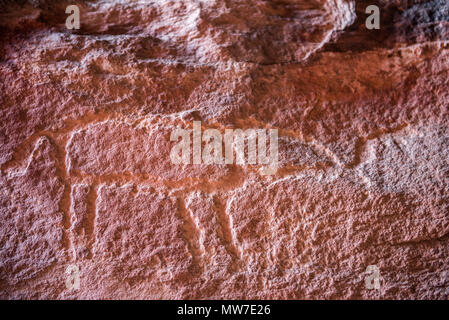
(86, 177)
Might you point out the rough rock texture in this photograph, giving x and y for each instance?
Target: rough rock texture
(86, 178)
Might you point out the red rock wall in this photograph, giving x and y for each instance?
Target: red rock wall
(86, 178)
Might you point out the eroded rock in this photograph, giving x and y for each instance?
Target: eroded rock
(86, 178)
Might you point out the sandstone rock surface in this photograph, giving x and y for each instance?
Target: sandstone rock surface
(86, 178)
